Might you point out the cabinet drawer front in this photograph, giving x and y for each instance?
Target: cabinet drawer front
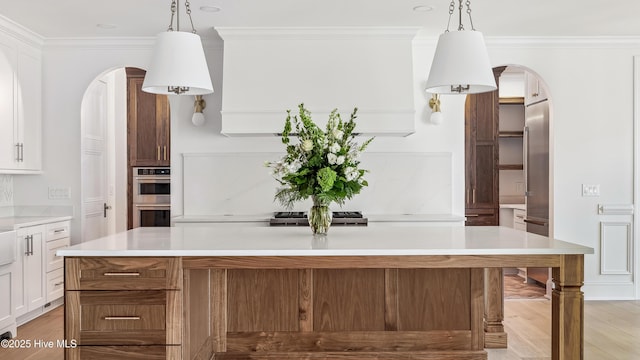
(58, 230)
(123, 317)
(519, 215)
(125, 273)
(55, 262)
(55, 285)
(124, 352)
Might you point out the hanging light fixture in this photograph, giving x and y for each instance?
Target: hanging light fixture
(178, 65)
(461, 62)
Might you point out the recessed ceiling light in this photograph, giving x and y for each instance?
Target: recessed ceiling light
(208, 8)
(423, 8)
(107, 26)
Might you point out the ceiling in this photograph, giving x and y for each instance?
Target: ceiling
(143, 18)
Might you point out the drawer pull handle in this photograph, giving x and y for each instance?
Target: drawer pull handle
(121, 274)
(59, 283)
(122, 317)
(58, 231)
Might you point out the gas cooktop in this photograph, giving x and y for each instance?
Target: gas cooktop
(299, 218)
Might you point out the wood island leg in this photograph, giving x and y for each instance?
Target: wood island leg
(494, 335)
(567, 309)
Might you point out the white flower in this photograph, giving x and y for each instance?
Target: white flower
(294, 167)
(351, 173)
(332, 158)
(337, 134)
(334, 148)
(307, 145)
(340, 160)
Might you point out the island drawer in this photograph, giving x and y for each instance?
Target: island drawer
(124, 317)
(123, 273)
(124, 352)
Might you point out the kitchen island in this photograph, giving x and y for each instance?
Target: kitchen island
(280, 293)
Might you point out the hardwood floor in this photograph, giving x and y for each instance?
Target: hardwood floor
(612, 332)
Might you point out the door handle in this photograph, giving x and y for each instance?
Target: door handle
(26, 244)
(105, 208)
(158, 153)
(535, 222)
(165, 152)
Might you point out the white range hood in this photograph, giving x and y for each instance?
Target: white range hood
(269, 70)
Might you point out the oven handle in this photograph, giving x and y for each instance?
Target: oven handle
(155, 179)
(168, 206)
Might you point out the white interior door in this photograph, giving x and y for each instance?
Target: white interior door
(94, 161)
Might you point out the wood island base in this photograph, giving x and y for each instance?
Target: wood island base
(304, 307)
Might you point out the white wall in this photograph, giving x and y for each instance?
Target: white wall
(590, 83)
(68, 69)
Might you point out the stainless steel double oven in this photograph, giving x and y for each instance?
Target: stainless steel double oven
(151, 196)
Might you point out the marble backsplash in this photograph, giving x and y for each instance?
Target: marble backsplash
(239, 184)
(6, 190)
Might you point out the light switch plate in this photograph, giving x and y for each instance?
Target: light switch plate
(589, 190)
(59, 193)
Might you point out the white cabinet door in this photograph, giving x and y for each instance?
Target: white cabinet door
(31, 287)
(534, 89)
(20, 107)
(29, 97)
(7, 279)
(8, 148)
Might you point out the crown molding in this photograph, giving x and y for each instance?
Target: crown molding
(316, 33)
(584, 42)
(121, 43)
(15, 30)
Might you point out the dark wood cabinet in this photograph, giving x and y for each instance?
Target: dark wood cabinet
(148, 124)
(481, 157)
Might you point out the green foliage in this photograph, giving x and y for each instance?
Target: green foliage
(322, 164)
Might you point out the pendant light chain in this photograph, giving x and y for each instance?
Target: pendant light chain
(174, 15)
(469, 13)
(188, 6)
(452, 7)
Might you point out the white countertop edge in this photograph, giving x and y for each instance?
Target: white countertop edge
(513, 206)
(319, 252)
(18, 222)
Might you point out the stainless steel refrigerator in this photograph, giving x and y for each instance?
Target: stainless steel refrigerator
(536, 167)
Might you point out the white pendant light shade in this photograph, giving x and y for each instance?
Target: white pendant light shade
(461, 65)
(178, 62)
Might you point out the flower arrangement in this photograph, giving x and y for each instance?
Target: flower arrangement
(322, 165)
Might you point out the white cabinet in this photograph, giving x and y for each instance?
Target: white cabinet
(7, 281)
(20, 113)
(57, 237)
(8, 147)
(7, 313)
(534, 89)
(518, 219)
(30, 290)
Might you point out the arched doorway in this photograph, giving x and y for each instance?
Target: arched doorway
(508, 159)
(105, 160)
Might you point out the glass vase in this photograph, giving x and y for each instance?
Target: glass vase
(320, 216)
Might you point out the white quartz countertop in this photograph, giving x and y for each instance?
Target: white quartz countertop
(341, 241)
(513, 206)
(17, 222)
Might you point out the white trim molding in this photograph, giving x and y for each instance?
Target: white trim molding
(616, 238)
